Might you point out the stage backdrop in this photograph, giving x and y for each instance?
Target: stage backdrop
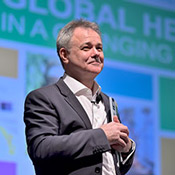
(139, 72)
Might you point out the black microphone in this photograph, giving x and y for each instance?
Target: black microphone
(97, 100)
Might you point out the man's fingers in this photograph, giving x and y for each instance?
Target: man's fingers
(115, 118)
(121, 142)
(125, 137)
(124, 128)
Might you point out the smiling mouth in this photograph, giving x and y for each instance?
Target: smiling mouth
(95, 60)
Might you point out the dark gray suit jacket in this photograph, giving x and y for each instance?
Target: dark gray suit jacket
(59, 135)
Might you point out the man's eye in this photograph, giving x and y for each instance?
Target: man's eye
(99, 49)
(85, 48)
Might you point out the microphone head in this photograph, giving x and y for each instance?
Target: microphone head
(98, 98)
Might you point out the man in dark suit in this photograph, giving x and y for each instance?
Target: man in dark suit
(69, 129)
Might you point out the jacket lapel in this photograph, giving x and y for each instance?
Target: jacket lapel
(105, 99)
(73, 102)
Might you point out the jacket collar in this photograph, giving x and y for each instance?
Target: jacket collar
(75, 104)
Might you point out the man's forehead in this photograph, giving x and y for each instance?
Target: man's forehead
(82, 33)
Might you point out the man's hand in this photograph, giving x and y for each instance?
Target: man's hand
(117, 135)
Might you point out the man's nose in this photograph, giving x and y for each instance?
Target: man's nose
(95, 52)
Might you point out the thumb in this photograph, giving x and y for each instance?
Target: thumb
(115, 118)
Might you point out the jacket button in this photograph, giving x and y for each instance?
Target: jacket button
(97, 170)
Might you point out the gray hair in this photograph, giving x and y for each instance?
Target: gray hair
(65, 34)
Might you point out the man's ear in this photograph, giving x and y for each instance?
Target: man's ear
(64, 55)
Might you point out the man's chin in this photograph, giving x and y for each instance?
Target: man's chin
(95, 72)
(96, 67)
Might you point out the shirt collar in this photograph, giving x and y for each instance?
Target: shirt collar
(78, 88)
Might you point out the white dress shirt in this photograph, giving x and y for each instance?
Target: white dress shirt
(96, 113)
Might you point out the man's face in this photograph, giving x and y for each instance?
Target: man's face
(85, 57)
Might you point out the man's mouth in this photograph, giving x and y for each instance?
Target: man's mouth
(95, 60)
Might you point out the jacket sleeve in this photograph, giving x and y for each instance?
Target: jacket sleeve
(127, 159)
(47, 134)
